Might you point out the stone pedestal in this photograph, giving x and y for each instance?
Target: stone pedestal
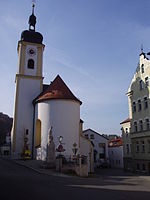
(51, 160)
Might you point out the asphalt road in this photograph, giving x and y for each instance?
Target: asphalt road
(19, 182)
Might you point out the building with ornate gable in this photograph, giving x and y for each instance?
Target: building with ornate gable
(136, 131)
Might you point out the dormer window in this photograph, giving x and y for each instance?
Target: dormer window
(92, 136)
(31, 64)
(142, 68)
(86, 136)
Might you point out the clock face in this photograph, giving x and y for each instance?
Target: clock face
(31, 52)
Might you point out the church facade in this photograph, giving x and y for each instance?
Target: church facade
(41, 108)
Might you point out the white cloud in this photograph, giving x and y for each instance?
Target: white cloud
(13, 22)
(61, 57)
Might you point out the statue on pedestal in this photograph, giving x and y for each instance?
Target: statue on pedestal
(51, 150)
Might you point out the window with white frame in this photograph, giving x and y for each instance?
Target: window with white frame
(134, 107)
(141, 84)
(31, 64)
(142, 68)
(147, 124)
(139, 105)
(135, 127)
(148, 146)
(143, 167)
(137, 147)
(147, 81)
(141, 125)
(92, 136)
(130, 148)
(145, 103)
(86, 136)
(143, 146)
(127, 147)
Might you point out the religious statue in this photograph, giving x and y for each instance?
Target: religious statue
(50, 150)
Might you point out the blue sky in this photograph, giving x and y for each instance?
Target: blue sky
(94, 45)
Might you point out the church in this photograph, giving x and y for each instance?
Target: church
(41, 108)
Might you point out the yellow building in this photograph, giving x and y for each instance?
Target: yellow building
(139, 114)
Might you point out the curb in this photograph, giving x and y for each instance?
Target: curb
(40, 172)
(44, 172)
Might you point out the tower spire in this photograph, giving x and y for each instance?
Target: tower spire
(31, 35)
(32, 18)
(142, 48)
(33, 5)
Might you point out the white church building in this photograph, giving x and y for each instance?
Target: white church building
(40, 107)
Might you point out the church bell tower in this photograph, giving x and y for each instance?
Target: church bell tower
(29, 84)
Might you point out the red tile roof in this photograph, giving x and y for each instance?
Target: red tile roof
(125, 121)
(56, 90)
(115, 142)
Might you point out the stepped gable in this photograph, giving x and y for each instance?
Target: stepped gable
(56, 90)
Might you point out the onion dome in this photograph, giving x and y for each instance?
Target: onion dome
(31, 35)
(56, 90)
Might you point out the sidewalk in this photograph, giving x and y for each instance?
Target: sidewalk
(39, 167)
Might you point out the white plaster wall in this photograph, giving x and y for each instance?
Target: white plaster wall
(28, 89)
(98, 139)
(85, 149)
(64, 117)
(116, 153)
(140, 94)
(28, 71)
(126, 138)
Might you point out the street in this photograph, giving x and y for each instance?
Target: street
(19, 182)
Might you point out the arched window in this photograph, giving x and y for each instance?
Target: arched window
(135, 127)
(31, 64)
(145, 103)
(147, 124)
(134, 107)
(142, 68)
(141, 125)
(38, 133)
(139, 105)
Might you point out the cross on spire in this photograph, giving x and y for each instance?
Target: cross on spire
(33, 5)
(141, 48)
(32, 18)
